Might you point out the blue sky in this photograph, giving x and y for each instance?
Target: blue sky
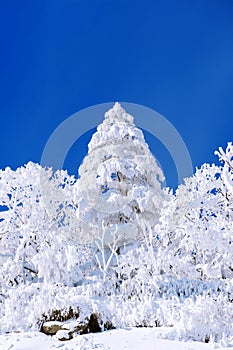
(58, 57)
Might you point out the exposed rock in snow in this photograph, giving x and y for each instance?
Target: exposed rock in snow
(68, 329)
(52, 327)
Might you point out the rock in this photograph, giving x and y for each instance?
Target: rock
(52, 327)
(94, 324)
(66, 330)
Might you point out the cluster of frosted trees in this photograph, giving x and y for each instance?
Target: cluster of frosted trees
(196, 225)
(47, 219)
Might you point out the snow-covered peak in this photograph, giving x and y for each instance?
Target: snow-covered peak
(118, 114)
(118, 108)
(117, 127)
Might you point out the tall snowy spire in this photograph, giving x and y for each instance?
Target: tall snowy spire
(119, 178)
(118, 113)
(116, 127)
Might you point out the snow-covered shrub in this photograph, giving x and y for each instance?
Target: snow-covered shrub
(33, 304)
(206, 319)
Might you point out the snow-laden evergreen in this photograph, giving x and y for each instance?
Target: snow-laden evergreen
(62, 253)
(120, 183)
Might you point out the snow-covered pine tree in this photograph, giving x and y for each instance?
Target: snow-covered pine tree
(119, 185)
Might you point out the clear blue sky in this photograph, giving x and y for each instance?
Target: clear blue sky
(58, 57)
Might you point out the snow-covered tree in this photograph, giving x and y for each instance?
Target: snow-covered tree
(36, 212)
(195, 229)
(119, 184)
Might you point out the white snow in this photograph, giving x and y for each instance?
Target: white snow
(121, 339)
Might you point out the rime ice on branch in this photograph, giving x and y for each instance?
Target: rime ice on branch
(120, 181)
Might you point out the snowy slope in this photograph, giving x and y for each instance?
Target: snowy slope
(127, 339)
